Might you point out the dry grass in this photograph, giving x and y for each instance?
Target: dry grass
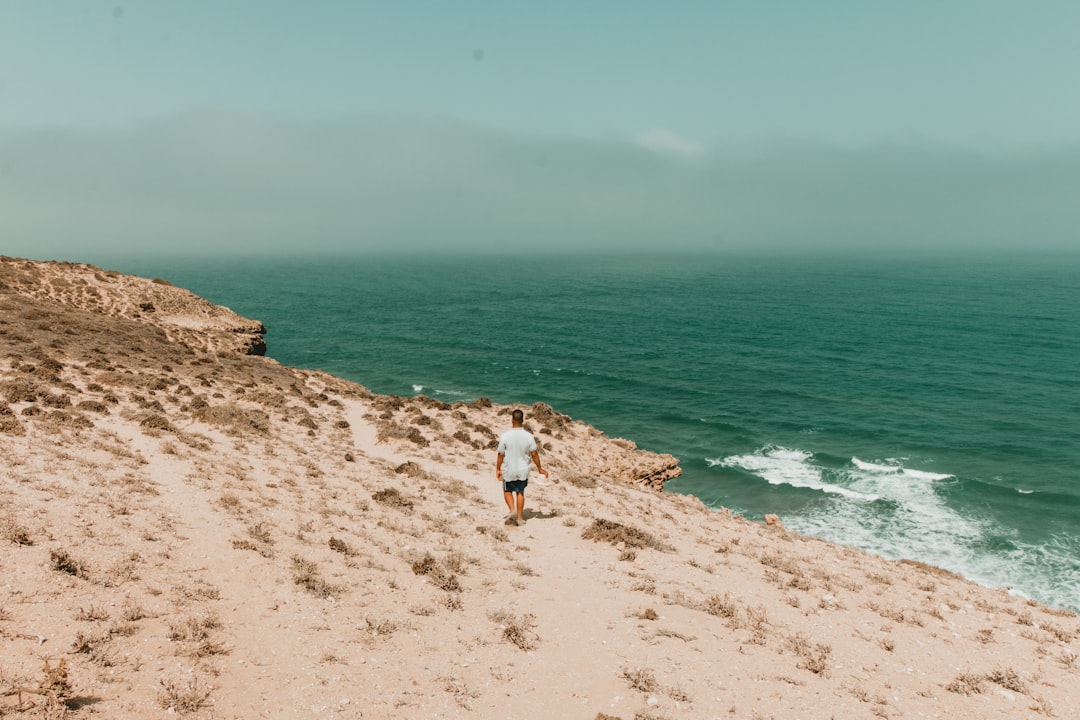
(609, 531)
(721, 606)
(341, 546)
(966, 684)
(63, 561)
(814, 658)
(392, 497)
(306, 574)
(518, 631)
(182, 697)
(640, 679)
(437, 573)
(12, 531)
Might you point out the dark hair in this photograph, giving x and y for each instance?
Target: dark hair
(518, 416)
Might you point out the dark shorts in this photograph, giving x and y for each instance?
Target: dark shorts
(517, 486)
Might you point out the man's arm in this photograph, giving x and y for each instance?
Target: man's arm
(536, 459)
(498, 466)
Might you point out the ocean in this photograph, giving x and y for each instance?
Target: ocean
(923, 409)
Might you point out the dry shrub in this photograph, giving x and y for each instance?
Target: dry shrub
(393, 498)
(390, 430)
(641, 679)
(779, 561)
(436, 573)
(72, 420)
(154, 421)
(496, 533)
(384, 628)
(182, 698)
(92, 614)
(721, 606)
(63, 561)
(410, 468)
(194, 629)
(603, 530)
(55, 687)
(21, 390)
(235, 420)
(306, 574)
(341, 546)
(966, 684)
(1008, 679)
(1062, 634)
(13, 532)
(813, 658)
(93, 406)
(464, 437)
(518, 630)
(758, 620)
(9, 424)
(582, 481)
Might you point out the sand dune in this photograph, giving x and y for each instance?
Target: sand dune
(190, 529)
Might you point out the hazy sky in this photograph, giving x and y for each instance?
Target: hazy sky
(349, 125)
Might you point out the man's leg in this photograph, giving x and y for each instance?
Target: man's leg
(509, 498)
(521, 507)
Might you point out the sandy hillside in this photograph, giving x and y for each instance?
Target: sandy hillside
(187, 528)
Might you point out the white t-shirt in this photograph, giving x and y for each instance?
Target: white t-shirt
(516, 445)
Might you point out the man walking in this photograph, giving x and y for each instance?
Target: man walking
(516, 447)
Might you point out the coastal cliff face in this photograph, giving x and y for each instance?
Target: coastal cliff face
(185, 317)
(189, 528)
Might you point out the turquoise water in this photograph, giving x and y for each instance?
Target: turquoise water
(918, 409)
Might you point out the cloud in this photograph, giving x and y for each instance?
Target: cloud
(665, 142)
(215, 182)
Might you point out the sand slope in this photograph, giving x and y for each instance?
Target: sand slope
(196, 531)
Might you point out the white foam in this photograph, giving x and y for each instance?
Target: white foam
(898, 468)
(873, 467)
(924, 475)
(914, 521)
(786, 466)
(417, 389)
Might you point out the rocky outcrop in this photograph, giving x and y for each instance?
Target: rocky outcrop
(184, 316)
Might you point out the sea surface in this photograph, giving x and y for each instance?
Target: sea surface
(922, 409)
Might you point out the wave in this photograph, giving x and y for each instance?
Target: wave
(918, 517)
(785, 466)
(898, 468)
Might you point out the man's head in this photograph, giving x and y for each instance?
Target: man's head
(517, 417)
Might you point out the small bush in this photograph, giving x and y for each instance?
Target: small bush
(603, 530)
(1008, 679)
(966, 684)
(182, 698)
(65, 563)
(519, 631)
(641, 679)
(721, 606)
(341, 546)
(393, 498)
(306, 575)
